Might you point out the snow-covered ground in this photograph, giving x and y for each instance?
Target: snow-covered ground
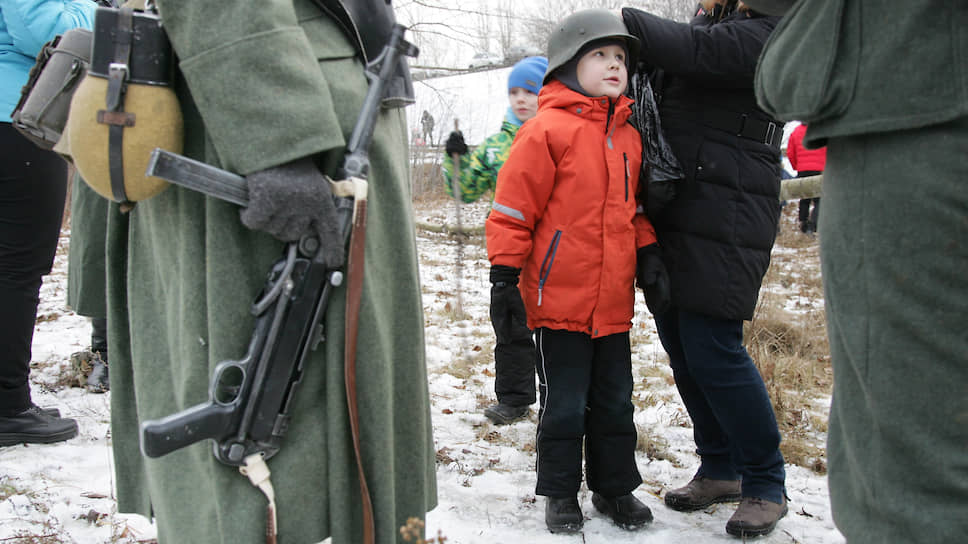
(485, 473)
(64, 492)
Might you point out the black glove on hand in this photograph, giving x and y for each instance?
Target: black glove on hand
(294, 200)
(507, 308)
(455, 143)
(651, 275)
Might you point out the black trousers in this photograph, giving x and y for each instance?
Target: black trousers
(514, 362)
(808, 218)
(586, 397)
(33, 186)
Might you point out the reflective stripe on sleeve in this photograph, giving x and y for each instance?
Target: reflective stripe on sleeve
(508, 211)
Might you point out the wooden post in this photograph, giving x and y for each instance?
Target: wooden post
(797, 188)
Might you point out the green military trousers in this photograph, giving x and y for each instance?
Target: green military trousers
(894, 249)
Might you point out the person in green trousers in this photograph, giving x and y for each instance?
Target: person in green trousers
(884, 85)
(86, 279)
(268, 90)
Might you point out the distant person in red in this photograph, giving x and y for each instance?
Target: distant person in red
(807, 162)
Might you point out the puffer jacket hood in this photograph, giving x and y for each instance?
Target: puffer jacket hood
(566, 213)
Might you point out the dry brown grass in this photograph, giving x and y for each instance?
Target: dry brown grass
(791, 349)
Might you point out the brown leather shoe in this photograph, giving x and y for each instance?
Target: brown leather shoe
(702, 492)
(755, 517)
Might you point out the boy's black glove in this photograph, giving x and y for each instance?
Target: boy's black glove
(651, 275)
(507, 307)
(455, 143)
(293, 200)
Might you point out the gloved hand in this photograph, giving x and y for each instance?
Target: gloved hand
(651, 275)
(507, 307)
(455, 143)
(294, 200)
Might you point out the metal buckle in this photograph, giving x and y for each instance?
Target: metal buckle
(116, 67)
(770, 133)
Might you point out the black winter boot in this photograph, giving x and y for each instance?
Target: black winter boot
(36, 426)
(626, 511)
(563, 515)
(503, 414)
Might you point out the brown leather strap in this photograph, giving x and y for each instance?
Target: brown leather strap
(354, 290)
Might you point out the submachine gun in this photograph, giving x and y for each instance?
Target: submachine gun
(249, 399)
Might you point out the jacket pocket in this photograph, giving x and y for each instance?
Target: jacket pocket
(808, 68)
(547, 262)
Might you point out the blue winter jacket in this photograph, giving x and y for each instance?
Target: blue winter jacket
(25, 26)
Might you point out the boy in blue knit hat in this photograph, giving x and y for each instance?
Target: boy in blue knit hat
(514, 346)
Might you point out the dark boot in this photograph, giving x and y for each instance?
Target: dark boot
(755, 517)
(702, 492)
(34, 425)
(563, 515)
(503, 414)
(626, 511)
(97, 380)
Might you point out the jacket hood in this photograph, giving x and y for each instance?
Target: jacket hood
(557, 95)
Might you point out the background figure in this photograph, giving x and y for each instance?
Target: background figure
(716, 237)
(807, 162)
(427, 123)
(183, 272)
(566, 222)
(514, 345)
(33, 186)
(86, 277)
(894, 251)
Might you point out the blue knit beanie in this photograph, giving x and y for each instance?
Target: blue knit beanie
(528, 73)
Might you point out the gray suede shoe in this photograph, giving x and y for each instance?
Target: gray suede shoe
(755, 517)
(702, 492)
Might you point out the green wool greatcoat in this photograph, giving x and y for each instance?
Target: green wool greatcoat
(885, 85)
(263, 83)
(85, 260)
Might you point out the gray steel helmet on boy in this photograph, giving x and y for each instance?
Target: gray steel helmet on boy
(583, 27)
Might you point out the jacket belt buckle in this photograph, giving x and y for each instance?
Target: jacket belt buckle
(770, 133)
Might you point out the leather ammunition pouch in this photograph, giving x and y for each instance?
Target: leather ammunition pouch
(368, 24)
(125, 107)
(45, 100)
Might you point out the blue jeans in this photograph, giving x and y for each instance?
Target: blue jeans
(734, 425)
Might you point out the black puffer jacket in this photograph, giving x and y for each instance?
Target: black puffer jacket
(718, 232)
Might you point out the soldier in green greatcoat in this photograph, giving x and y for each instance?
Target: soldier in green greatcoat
(264, 84)
(885, 85)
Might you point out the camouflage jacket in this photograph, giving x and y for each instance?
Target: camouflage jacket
(478, 170)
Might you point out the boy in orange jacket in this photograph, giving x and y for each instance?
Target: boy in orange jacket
(566, 223)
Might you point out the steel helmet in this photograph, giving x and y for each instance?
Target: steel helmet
(585, 26)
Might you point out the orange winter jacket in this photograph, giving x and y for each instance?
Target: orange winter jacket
(565, 212)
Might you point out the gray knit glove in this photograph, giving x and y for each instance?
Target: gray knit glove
(293, 200)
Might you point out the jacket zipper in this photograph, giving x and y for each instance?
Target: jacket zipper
(549, 259)
(625, 160)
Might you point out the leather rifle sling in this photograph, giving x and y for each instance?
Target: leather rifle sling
(354, 289)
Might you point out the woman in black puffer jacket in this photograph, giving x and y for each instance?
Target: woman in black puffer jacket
(716, 236)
